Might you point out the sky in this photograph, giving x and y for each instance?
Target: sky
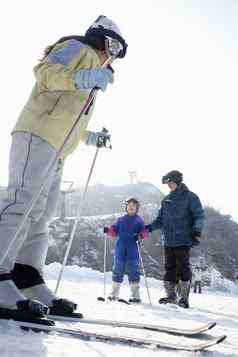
(174, 101)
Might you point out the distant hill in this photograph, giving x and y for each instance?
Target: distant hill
(219, 247)
(220, 242)
(103, 199)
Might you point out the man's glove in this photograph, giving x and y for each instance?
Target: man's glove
(196, 238)
(99, 139)
(86, 79)
(105, 230)
(149, 228)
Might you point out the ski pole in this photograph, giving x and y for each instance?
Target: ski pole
(78, 215)
(51, 165)
(143, 268)
(104, 266)
(100, 298)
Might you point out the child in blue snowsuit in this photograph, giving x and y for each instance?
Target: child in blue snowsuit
(128, 228)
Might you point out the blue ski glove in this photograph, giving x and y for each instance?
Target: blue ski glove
(86, 79)
(100, 139)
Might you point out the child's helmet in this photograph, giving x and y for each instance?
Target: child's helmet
(104, 34)
(133, 200)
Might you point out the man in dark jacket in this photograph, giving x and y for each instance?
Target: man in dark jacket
(180, 219)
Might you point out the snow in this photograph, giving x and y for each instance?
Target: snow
(83, 285)
(218, 282)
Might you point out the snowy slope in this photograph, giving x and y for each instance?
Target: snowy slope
(84, 285)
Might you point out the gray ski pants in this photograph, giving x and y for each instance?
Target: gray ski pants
(29, 158)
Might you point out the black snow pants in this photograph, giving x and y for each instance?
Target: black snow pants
(177, 265)
(197, 284)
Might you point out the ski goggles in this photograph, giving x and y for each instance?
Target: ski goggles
(166, 179)
(113, 47)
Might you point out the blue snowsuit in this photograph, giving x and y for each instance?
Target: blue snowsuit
(126, 257)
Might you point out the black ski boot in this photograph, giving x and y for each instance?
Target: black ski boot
(33, 308)
(27, 311)
(168, 299)
(184, 289)
(31, 283)
(171, 297)
(135, 301)
(64, 307)
(183, 303)
(112, 298)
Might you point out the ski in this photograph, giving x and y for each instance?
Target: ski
(23, 316)
(128, 340)
(156, 328)
(102, 299)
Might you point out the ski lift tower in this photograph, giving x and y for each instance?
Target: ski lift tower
(133, 176)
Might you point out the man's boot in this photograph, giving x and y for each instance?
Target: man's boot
(32, 286)
(115, 291)
(135, 293)
(184, 294)
(200, 288)
(195, 288)
(170, 297)
(14, 305)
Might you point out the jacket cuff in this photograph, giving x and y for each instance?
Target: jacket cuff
(92, 139)
(197, 233)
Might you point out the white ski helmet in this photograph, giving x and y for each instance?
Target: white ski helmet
(104, 34)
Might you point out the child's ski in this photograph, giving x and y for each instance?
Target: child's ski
(102, 299)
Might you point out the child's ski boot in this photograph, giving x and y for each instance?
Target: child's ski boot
(135, 293)
(114, 296)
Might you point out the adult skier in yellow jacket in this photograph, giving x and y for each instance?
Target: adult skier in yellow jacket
(64, 77)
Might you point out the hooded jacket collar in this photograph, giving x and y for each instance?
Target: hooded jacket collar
(180, 189)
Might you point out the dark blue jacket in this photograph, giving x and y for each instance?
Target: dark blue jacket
(180, 215)
(126, 227)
